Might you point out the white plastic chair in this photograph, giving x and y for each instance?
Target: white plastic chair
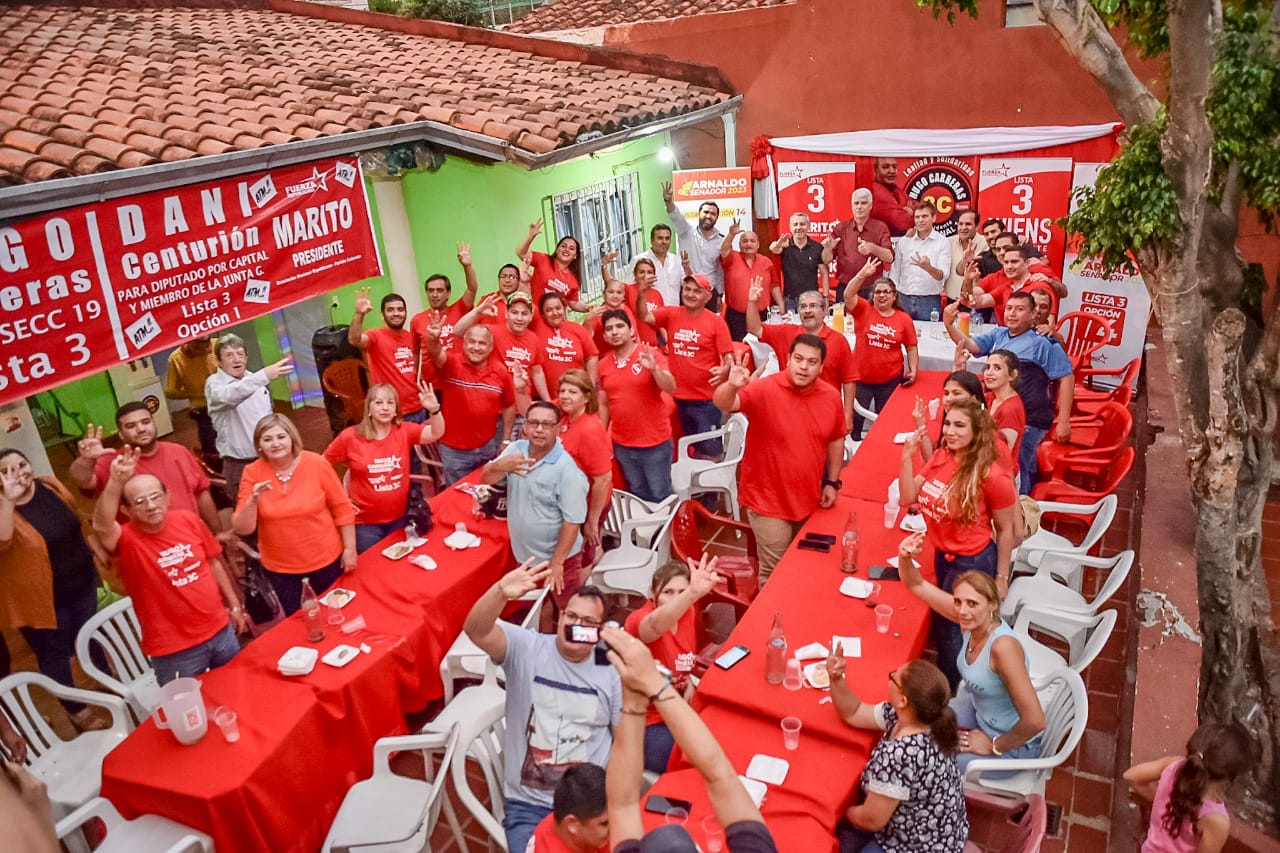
(690, 476)
(479, 713)
(1027, 556)
(116, 629)
(868, 418)
(1065, 718)
(1043, 590)
(467, 660)
(70, 769)
(628, 569)
(624, 506)
(390, 813)
(1085, 636)
(146, 833)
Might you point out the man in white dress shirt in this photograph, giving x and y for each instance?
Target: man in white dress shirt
(921, 263)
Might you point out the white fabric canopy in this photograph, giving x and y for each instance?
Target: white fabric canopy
(914, 142)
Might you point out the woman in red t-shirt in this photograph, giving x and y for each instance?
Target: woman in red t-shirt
(378, 452)
(622, 295)
(560, 272)
(565, 344)
(1001, 378)
(958, 386)
(962, 491)
(587, 441)
(667, 624)
(884, 332)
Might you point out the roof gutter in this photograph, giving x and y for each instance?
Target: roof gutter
(46, 196)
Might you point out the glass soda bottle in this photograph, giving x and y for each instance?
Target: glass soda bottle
(775, 653)
(311, 613)
(849, 545)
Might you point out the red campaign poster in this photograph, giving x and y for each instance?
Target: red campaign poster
(89, 287)
(820, 190)
(1029, 194)
(947, 182)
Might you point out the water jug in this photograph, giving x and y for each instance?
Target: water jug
(181, 710)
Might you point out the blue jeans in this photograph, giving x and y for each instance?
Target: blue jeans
(289, 587)
(947, 639)
(459, 463)
(647, 469)
(520, 820)
(701, 416)
(55, 647)
(967, 718)
(658, 743)
(919, 307)
(1027, 466)
(213, 652)
(368, 535)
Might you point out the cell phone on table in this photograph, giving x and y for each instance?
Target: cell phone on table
(584, 634)
(883, 573)
(813, 545)
(825, 538)
(662, 805)
(730, 658)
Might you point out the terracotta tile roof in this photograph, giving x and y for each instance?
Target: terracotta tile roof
(581, 14)
(87, 89)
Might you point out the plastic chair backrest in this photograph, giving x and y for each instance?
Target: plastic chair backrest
(1116, 425)
(480, 736)
(1097, 639)
(1084, 333)
(1116, 576)
(1032, 827)
(116, 629)
(19, 706)
(735, 438)
(624, 506)
(1066, 715)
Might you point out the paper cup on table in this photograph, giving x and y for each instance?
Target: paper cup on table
(791, 733)
(884, 615)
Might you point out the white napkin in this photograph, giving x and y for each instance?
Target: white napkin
(459, 539)
(768, 768)
(901, 438)
(423, 561)
(850, 647)
(756, 790)
(855, 587)
(811, 651)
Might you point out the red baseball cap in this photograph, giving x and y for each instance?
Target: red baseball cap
(700, 280)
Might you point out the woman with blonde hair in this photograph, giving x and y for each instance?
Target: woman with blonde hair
(303, 517)
(378, 451)
(962, 491)
(587, 441)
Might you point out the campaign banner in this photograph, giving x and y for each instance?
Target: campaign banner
(729, 187)
(1029, 194)
(946, 182)
(820, 190)
(1121, 298)
(87, 288)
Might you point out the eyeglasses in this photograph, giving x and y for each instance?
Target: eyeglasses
(572, 618)
(882, 293)
(155, 498)
(541, 424)
(893, 679)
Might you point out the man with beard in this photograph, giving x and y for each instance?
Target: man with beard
(389, 350)
(701, 245)
(172, 464)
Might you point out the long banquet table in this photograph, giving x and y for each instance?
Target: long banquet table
(744, 711)
(305, 740)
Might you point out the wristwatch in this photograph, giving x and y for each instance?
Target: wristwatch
(837, 484)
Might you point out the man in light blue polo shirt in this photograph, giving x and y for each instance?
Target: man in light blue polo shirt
(1041, 361)
(546, 499)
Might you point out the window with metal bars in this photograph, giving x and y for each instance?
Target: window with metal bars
(603, 217)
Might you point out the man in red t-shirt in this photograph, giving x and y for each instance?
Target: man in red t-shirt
(698, 345)
(741, 269)
(172, 569)
(479, 392)
(173, 464)
(1022, 270)
(438, 288)
(889, 203)
(515, 344)
(795, 445)
(839, 369)
(389, 351)
(579, 819)
(634, 382)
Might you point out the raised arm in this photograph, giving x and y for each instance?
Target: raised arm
(949, 315)
(88, 449)
(105, 510)
(644, 313)
(726, 245)
(868, 272)
(355, 334)
(435, 347)
(663, 378)
(488, 305)
(664, 618)
(481, 624)
(851, 709)
(754, 326)
(726, 394)
(909, 570)
(522, 248)
(468, 297)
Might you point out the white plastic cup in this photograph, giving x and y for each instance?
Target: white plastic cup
(712, 834)
(677, 815)
(794, 677)
(791, 733)
(934, 405)
(891, 515)
(884, 615)
(227, 723)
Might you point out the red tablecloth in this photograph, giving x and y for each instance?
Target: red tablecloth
(305, 741)
(878, 459)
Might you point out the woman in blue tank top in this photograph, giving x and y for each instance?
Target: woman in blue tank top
(997, 707)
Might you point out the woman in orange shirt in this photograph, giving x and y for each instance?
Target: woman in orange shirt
(292, 497)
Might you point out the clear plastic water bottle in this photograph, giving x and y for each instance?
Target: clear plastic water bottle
(849, 545)
(934, 316)
(775, 653)
(311, 613)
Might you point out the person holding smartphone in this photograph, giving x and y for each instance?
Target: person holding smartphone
(667, 624)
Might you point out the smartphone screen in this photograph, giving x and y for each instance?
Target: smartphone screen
(662, 805)
(732, 656)
(582, 634)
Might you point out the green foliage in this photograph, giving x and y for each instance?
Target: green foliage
(468, 13)
(1146, 22)
(1132, 203)
(950, 8)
